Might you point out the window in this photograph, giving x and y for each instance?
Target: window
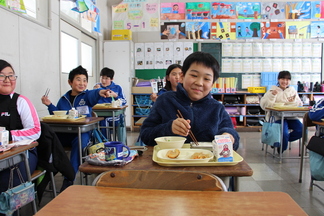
(36, 10)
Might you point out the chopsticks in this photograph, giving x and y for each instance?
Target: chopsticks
(47, 92)
(179, 115)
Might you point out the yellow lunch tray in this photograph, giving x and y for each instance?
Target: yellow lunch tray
(102, 106)
(61, 119)
(237, 159)
(290, 108)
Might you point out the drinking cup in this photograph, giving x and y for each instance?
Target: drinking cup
(115, 151)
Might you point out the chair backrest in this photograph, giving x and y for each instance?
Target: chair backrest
(307, 121)
(156, 179)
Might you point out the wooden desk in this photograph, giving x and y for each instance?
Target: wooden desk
(145, 162)
(81, 200)
(286, 113)
(77, 126)
(15, 156)
(105, 111)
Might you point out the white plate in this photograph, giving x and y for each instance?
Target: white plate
(184, 155)
(202, 145)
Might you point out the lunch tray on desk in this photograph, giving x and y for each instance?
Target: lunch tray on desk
(102, 106)
(51, 118)
(237, 159)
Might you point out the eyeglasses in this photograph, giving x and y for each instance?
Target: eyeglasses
(10, 77)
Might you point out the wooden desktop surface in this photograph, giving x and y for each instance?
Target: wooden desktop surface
(145, 162)
(91, 200)
(17, 150)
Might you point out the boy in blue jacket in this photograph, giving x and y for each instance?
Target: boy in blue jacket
(316, 113)
(81, 99)
(115, 92)
(203, 115)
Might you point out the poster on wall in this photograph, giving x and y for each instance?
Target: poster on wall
(223, 31)
(173, 11)
(317, 29)
(136, 15)
(248, 10)
(223, 10)
(298, 30)
(316, 9)
(299, 10)
(198, 30)
(173, 30)
(273, 30)
(246, 30)
(198, 10)
(273, 10)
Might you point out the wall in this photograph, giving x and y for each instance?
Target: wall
(33, 51)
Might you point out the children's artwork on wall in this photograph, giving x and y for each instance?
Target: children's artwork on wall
(315, 9)
(248, 10)
(222, 31)
(198, 10)
(173, 30)
(273, 10)
(298, 30)
(317, 29)
(136, 15)
(223, 10)
(17, 5)
(273, 30)
(298, 10)
(245, 30)
(198, 30)
(322, 9)
(173, 11)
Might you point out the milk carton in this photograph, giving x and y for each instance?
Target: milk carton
(223, 148)
(4, 136)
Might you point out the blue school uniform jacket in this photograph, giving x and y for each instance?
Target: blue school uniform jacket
(207, 116)
(317, 111)
(116, 88)
(83, 102)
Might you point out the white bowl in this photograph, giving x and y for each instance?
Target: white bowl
(60, 113)
(170, 142)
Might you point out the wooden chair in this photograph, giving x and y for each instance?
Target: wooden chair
(163, 180)
(307, 122)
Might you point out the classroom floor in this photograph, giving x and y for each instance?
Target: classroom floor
(268, 174)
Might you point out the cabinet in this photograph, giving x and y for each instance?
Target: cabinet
(244, 109)
(141, 104)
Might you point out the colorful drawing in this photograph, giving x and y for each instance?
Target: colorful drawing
(298, 30)
(322, 9)
(198, 10)
(273, 10)
(223, 10)
(246, 30)
(248, 10)
(173, 30)
(298, 10)
(317, 29)
(173, 11)
(17, 5)
(222, 31)
(273, 30)
(198, 30)
(316, 9)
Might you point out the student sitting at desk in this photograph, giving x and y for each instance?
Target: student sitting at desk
(81, 99)
(21, 120)
(115, 93)
(316, 113)
(283, 93)
(203, 115)
(173, 76)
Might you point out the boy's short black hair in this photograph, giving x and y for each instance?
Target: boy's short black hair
(107, 72)
(76, 71)
(203, 58)
(284, 75)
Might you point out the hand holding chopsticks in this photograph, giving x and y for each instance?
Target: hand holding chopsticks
(45, 99)
(179, 115)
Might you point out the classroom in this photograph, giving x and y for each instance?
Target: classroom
(251, 40)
